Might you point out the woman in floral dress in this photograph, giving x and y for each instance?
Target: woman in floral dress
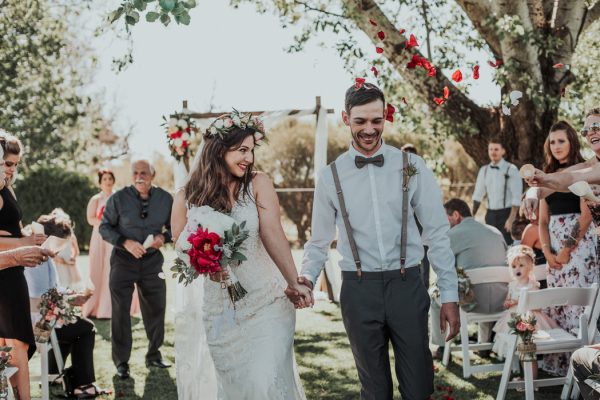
(567, 236)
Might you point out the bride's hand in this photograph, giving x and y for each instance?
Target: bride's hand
(219, 276)
(304, 293)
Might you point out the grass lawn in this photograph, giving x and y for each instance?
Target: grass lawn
(322, 352)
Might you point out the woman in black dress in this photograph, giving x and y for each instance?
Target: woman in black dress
(15, 320)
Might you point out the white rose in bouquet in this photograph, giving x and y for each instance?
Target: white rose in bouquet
(214, 221)
(172, 122)
(178, 142)
(182, 123)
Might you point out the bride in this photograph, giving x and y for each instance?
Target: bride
(245, 352)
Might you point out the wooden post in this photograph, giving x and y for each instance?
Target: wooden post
(318, 106)
(185, 104)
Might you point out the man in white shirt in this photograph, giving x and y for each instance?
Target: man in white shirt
(383, 297)
(500, 181)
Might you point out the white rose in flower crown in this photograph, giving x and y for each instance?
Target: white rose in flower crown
(227, 123)
(172, 122)
(182, 123)
(236, 120)
(213, 130)
(219, 124)
(178, 142)
(185, 136)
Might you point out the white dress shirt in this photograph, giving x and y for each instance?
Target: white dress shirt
(492, 181)
(373, 197)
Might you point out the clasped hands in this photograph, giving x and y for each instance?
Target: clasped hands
(137, 249)
(300, 293)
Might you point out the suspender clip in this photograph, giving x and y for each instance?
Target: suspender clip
(402, 269)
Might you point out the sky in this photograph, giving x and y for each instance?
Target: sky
(226, 57)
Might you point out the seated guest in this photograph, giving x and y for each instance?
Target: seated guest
(66, 260)
(474, 245)
(77, 339)
(516, 230)
(585, 362)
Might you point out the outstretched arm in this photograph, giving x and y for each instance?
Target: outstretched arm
(273, 237)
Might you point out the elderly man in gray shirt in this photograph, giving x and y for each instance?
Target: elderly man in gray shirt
(474, 245)
(131, 215)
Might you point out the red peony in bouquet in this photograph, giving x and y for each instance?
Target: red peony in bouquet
(212, 242)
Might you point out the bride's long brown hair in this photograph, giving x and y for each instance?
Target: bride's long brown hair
(209, 183)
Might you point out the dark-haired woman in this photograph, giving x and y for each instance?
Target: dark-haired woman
(15, 323)
(251, 345)
(99, 305)
(567, 236)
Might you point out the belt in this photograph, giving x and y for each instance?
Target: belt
(379, 275)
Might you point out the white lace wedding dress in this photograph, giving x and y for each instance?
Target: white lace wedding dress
(250, 352)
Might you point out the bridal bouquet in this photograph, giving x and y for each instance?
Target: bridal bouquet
(56, 311)
(211, 243)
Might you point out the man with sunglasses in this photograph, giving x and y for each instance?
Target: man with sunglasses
(131, 215)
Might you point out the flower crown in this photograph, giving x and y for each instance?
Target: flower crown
(224, 124)
(519, 251)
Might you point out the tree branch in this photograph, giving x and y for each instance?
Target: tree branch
(311, 8)
(478, 11)
(592, 15)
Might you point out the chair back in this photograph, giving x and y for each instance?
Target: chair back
(563, 296)
(489, 275)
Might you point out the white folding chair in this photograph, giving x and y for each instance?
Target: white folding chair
(478, 275)
(44, 377)
(559, 341)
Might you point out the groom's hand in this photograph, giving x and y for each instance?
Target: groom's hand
(449, 315)
(294, 296)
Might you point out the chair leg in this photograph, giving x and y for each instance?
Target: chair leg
(464, 344)
(575, 392)
(57, 354)
(528, 372)
(507, 368)
(568, 386)
(447, 351)
(44, 375)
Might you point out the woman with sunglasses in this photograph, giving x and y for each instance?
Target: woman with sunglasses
(99, 305)
(15, 323)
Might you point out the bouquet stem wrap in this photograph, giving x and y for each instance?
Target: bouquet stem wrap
(234, 288)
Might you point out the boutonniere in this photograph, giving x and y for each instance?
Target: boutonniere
(408, 172)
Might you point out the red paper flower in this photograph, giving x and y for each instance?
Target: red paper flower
(439, 100)
(185, 143)
(402, 31)
(373, 22)
(381, 35)
(558, 65)
(446, 92)
(457, 76)
(390, 110)
(476, 72)
(495, 64)
(375, 71)
(203, 256)
(431, 71)
(379, 50)
(176, 135)
(359, 83)
(411, 42)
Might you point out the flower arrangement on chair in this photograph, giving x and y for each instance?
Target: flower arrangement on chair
(56, 311)
(523, 325)
(4, 359)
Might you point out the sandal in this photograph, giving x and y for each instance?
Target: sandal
(84, 394)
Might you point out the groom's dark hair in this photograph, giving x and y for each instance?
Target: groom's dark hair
(457, 205)
(366, 94)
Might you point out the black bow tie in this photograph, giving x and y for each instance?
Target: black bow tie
(494, 167)
(362, 161)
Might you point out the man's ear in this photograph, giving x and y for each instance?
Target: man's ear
(346, 118)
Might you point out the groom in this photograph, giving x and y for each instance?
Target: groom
(382, 297)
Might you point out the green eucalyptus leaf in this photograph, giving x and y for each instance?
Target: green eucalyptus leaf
(165, 19)
(189, 4)
(151, 17)
(115, 15)
(167, 5)
(139, 4)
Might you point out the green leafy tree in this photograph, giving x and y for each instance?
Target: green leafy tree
(44, 69)
(161, 10)
(535, 42)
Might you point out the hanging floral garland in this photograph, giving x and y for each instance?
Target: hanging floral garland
(180, 130)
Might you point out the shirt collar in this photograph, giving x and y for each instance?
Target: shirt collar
(137, 194)
(353, 152)
(500, 163)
